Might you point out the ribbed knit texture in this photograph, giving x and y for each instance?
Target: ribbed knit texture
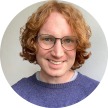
(55, 95)
(73, 78)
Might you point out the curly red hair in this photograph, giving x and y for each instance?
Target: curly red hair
(74, 18)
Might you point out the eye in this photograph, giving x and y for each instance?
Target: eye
(47, 39)
(67, 40)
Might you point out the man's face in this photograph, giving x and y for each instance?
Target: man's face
(55, 62)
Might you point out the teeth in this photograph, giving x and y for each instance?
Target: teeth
(55, 62)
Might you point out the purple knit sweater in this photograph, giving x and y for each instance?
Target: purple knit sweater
(55, 95)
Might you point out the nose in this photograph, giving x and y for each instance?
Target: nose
(57, 50)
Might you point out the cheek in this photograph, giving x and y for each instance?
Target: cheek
(40, 55)
(72, 54)
(39, 59)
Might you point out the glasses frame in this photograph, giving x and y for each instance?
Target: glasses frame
(55, 41)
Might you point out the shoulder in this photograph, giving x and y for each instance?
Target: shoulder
(87, 84)
(24, 85)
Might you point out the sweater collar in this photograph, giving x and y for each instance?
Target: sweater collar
(62, 85)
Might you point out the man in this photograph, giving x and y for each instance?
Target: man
(56, 61)
(56, 38)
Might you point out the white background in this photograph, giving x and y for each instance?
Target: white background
(15, 68)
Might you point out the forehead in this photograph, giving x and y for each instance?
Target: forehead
(56, 25)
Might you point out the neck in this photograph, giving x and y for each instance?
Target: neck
(56, 79)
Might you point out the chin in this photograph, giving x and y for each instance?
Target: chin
(55, 73)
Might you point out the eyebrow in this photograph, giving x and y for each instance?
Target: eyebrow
(54, 36)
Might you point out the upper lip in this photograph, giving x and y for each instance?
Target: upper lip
(57, 61)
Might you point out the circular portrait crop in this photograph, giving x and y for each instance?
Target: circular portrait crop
(54, 54)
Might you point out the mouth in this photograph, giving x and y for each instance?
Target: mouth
(55, 61)
(55, 64)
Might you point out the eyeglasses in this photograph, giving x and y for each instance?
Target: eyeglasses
(46, 42)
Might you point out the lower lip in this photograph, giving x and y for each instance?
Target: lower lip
(55, 65)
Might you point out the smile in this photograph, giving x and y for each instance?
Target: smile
(55, 62)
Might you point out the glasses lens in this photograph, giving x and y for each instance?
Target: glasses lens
(69, 42)
(46, 41)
